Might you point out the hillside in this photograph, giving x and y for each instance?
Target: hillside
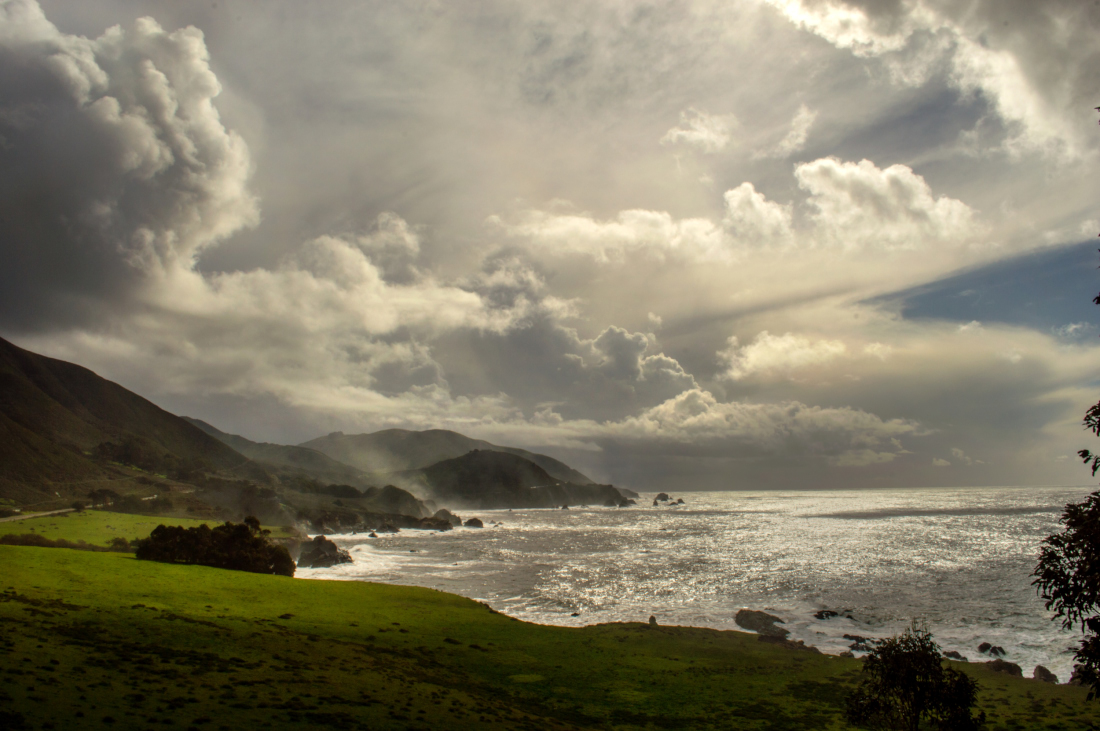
(489, 479)
(64, 430)
(398, 450)
(282, 458)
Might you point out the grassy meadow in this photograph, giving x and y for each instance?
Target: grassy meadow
(101, 640)
(98, 527)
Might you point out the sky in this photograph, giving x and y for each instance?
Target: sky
(748, 244)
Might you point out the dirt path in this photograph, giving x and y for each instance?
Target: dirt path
(24, 516)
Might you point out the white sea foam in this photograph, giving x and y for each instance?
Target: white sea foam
(958, 559)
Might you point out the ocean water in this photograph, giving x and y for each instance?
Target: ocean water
(957, 559)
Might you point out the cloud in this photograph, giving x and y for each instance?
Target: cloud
(709, 133)
(796, 137)
(114, 164)
(851, 206)
(753, 220)
(649, 233)
(785, 353)
(937, 462)
(1032, 60)
(858, 205)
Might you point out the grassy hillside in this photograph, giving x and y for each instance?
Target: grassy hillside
(105, 641)
(396, 450)
(98, 527)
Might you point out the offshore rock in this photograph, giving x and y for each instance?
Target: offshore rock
(956, 655)
(448, 516)
(474, 523)
(321, 553)
(760, 622)
(1004, 666)
(1041, 673)
(663, 497)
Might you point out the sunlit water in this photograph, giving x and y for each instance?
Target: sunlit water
(957, 559)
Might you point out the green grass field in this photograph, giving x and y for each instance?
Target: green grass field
(101, 640)
(98, 527)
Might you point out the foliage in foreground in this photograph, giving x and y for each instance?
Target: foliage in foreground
(1068, 573)
(905, 683)
(239, 546)
(1068, 578)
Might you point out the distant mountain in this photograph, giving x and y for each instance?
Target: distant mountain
(62, 426)
(283, 458)
(398, 450)
(490, 479)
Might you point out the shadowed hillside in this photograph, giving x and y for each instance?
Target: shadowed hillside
(490, 479)
(63, 429)
(396, 450)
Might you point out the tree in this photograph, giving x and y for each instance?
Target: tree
(1068, 573)
(1068, 578)
(904, 683)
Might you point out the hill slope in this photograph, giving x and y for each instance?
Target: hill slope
(397, 450)
(489, 479)
(54, 415)
(284, 458)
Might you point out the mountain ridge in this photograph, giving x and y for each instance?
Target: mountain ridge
(401, 450)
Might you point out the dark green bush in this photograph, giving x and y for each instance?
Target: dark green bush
(237, 546)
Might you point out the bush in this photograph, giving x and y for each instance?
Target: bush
(237, 546)
(905, 683)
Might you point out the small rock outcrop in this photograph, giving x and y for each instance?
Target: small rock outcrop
(1041, 673)
(652, 621)
(987, 649)
(826, 614)
(861, 643)
(955, 655)
(761, 623)
(1004, 666)
(663, 497)
(321, 553)
(447, 515)
(474, 523)
(789, 644)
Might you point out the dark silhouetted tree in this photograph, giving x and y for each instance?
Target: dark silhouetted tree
(239, 546)
(904, 684)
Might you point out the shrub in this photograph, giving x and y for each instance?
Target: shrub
(905, 683)
(237, 546)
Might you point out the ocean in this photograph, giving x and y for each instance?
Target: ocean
(955, 559)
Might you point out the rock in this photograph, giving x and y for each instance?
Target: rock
(996, 651)
(1041, 673)
(760, 622)
(1003, 666)
(321, 553)
(846, 653)
(474, 523)
(448, 516)
(826, 614)
(663, 497)
(789, 644)
(680, 501)
(654, 503)
(860, 643)
(575, 614)
(652, 621)
(565, 507)
(984, 647)
(955, 655)
(433, 524)
(372, 535)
